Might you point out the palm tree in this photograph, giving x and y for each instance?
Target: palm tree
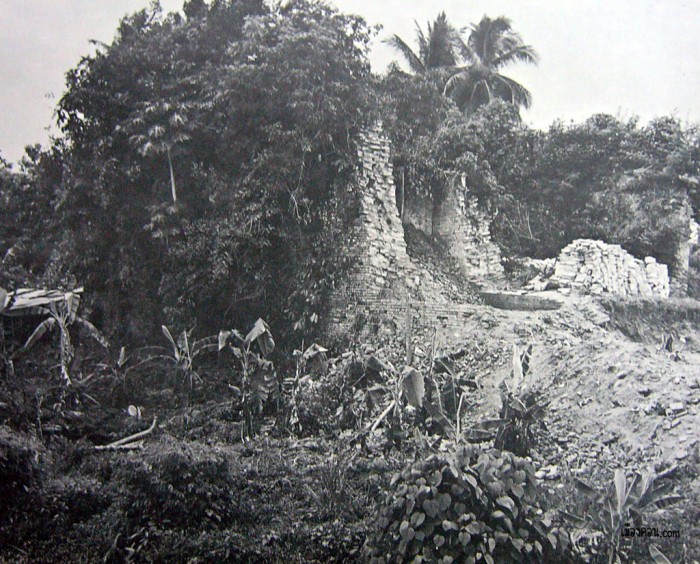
(492, 45)
(436, 49)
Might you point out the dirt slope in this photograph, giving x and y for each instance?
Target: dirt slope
(637, 399)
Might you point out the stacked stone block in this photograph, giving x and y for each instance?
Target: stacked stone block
(594, 267)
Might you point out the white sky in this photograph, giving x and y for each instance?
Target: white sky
(625, 57)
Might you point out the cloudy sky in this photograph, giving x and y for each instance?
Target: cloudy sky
(625, 57)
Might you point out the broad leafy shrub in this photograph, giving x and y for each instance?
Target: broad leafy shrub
(521, 410)
(182, 484)
(469, 506)
(519, 414)
(325, 404)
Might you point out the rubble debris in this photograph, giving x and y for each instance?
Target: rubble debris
(594, 267)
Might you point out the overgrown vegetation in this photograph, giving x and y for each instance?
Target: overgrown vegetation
(469, 506)
(205, 178)
(654, 320)
(617, 508)
(605, 178)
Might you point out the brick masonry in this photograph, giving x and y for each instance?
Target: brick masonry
(465, 227)
(384, 284)
(594, 267)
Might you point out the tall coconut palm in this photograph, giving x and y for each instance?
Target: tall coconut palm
(492, 45)
(437, 48)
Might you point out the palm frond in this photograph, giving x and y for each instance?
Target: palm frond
(441, 44)
(498, 34)
(420, 38)
(457, 81)
(480, 96)
(521, 53)
(460, 88)
(413, 60)
(469, 90)
(484, 37)
(511, 91)
(466, 51)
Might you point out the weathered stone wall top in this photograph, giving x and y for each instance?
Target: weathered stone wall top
(594, 267)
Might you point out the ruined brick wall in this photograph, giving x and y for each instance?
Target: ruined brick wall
(381, 268)
(379, 246)
(594, 267)
(456, 219)
(384, 283)
(384, 314)
(465, 227)
(681, 263)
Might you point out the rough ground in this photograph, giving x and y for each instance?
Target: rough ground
(614, 402)
(634, 399)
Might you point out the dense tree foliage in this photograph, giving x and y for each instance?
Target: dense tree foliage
(28, 219)
(205, 159)
(609, 179)
(604, 178)
(205, 171)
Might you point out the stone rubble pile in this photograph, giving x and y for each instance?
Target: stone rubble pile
(594, 267)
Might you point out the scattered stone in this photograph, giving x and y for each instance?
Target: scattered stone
(644, 391)
(553, 473)
(677, 406)
(612, 438)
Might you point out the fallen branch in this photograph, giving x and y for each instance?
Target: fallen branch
(130, 446)
(383, 415)
(130, 438)
(667, 473)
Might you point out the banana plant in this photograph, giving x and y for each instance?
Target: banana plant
(258, 377)
(62, 315)
(185, 350)
(520, 410)
(619, 506)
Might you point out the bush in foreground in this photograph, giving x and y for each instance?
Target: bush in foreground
(469, 506)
